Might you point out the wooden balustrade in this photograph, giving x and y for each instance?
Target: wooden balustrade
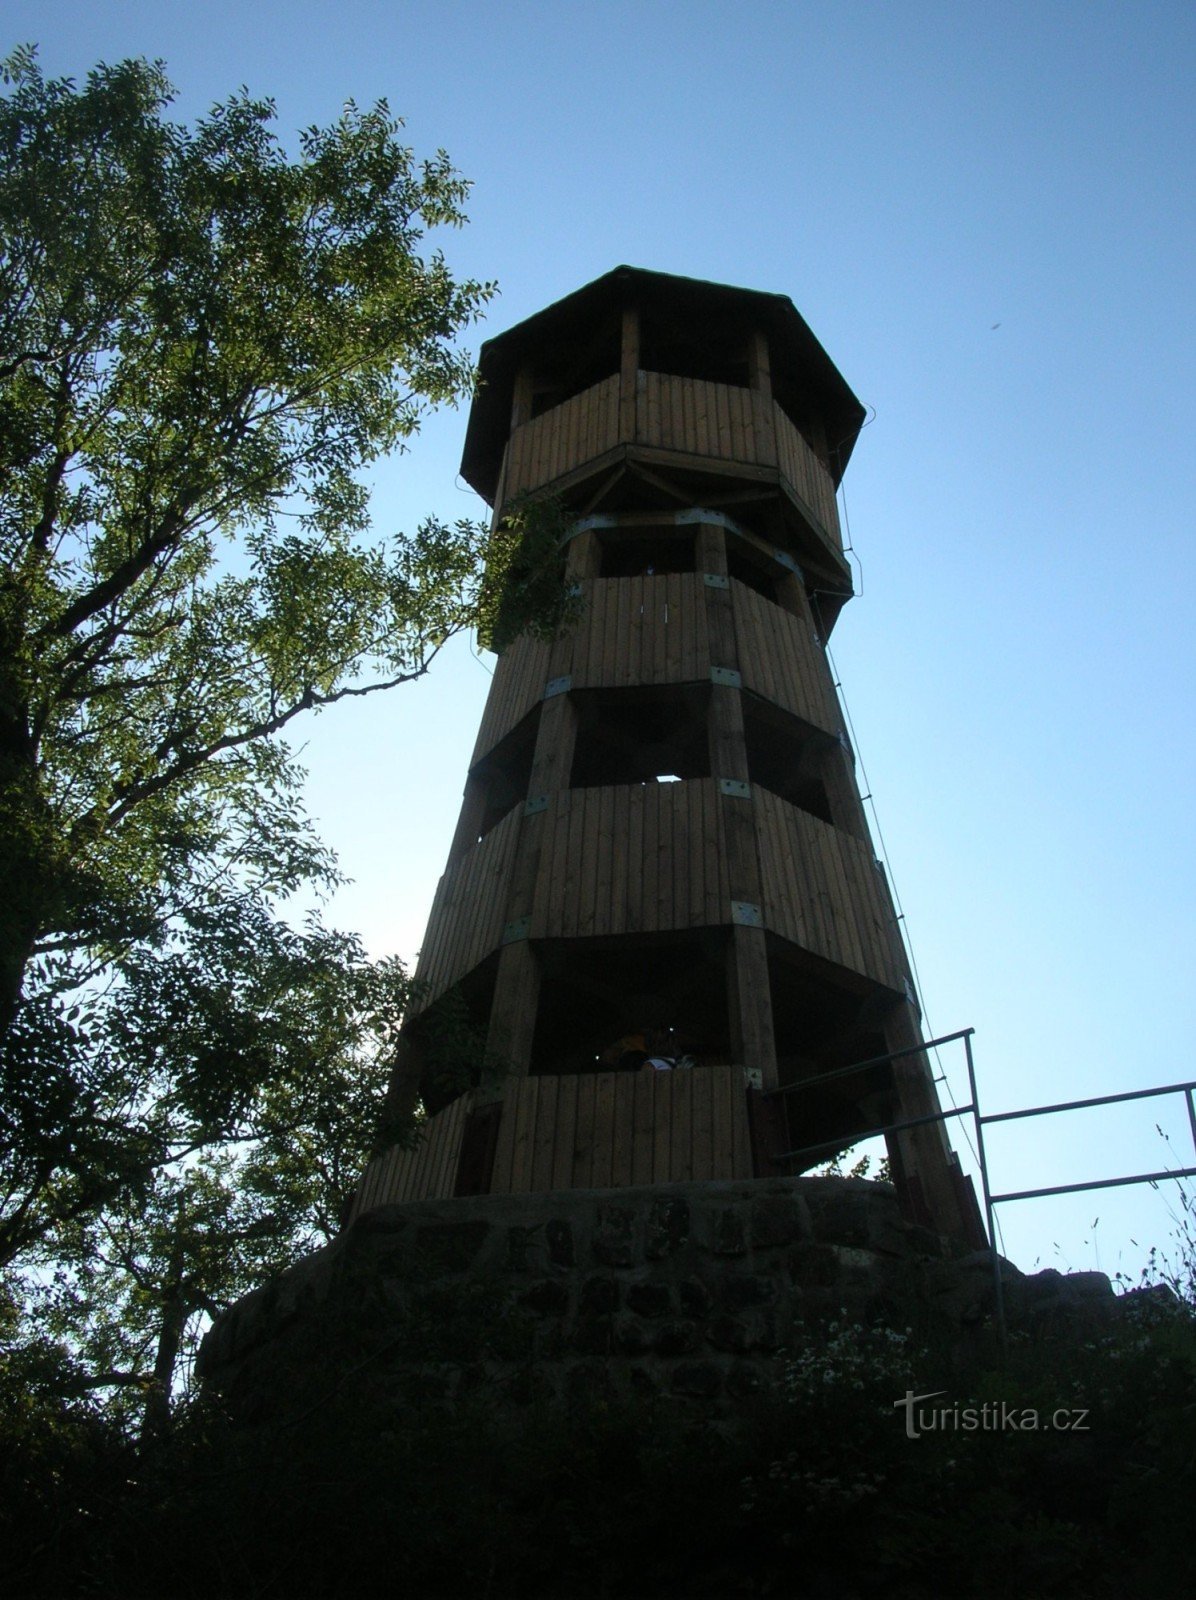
(693, 416)
(590, 1130)
(607, 859)
(610, 1130)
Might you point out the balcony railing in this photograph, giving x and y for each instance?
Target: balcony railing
(692, 416)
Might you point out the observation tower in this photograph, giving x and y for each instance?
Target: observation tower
(661, 906)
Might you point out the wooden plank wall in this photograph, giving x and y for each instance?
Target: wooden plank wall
(692, 415)
(604, 862)
(703, 418)
(519, 680)
(822, 890)
(469, 912)
(577, 430)
(604, 1130)
(779, 659)
(807, 474)
(642, 630)
(427, 1172)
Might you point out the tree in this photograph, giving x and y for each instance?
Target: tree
(202, 344)
(237, 1076)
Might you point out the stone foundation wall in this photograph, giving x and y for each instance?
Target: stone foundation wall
(685, 1290)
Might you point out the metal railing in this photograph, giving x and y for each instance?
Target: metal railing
(980, 1122)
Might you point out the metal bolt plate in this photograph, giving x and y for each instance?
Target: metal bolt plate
(746, 915)
(537, 802)
(557, 686)
(726, 676)
(715, 580)
(735, 787)
(514, 931)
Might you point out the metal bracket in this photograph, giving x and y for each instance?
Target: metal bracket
(715, 580)
(537, 802)
(514, 931)
(786, 560)
(746, 915)
(558, 686)
(753, 1077)
(587, 523)
(910, 995)
(735, 787)
(727, 677)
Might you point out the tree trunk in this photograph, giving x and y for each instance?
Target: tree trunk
(170, 1339)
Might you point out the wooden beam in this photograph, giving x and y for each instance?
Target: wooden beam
(758, 364)
(629, 362)
(591, 504)
(749, 999)
(469, 823)
(521, 399)
(513, 1012)
(924, 1154)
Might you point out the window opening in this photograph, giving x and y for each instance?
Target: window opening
(506, 772)
(821, 1024)
(573, 365)
(614, 1006)
(753, 568)
(641, 735)
(633, 552)
(716, 352)
(789, 757)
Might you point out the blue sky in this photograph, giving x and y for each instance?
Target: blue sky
(986, 214)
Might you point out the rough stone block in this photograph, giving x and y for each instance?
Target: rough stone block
(723, 1231)
(448, 1246)
(650, 1299)
(701, 1380)
(695, 1297)
(631, 1339)
(614, 1237)
(520, 1244)
(814, 1266)
(558, 1236)
(748, 1289)
(667, 1228)
(675, 1339)
(729, 1334)
(777, 1220)
(600, 1295)
(591, 1336)
(548, 1298)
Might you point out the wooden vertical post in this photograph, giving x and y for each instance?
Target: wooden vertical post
(924, 1154)
(629, 364)
(759, 370)
(521, 398)
(748, 991)
(583, 556)
(517, 984)
(469, 823)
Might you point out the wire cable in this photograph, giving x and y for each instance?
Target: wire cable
(868, 799)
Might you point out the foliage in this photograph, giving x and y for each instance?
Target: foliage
(205, 344)
(207, 1123)
(601, 1497)
(202, 345)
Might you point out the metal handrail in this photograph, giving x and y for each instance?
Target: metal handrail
(980, 1122)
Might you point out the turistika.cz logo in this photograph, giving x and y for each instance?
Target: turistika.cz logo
(991, 1417)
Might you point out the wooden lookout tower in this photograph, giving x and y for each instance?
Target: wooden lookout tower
(661, 904)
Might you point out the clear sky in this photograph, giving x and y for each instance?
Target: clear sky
(986, 214)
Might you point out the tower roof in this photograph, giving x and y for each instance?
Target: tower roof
(798, 360)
